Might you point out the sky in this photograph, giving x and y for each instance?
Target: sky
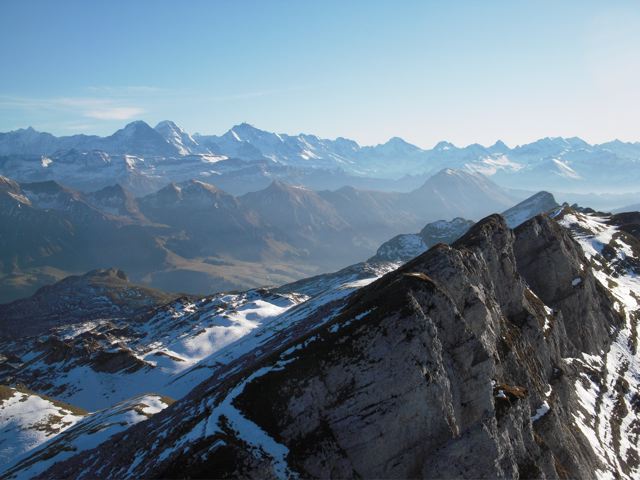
(461, 71)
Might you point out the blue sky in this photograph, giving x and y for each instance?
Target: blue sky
(463, 71)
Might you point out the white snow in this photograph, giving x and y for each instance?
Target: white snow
(490, 165)
(544, 408)
(86, 434)
(592, 233)
(360, 283)
(27, 420)
(246, 429)
(564, 170)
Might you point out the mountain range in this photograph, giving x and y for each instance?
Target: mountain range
(194, 237)
(238, 345)
(245, 158)
(502, 353)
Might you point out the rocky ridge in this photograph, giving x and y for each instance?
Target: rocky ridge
(470, 361)
(404, 247)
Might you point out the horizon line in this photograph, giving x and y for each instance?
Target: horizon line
(548, 137)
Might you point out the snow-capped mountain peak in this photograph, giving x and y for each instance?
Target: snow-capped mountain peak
(176, 136)
(552, 163)
(133, 128)
(499, 147)
(443, 146)
(245, 132)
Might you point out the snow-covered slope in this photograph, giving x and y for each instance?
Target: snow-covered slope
(169, 349)
(108, 366)
(28, 420)
(541, 202)
(86, 433)
(246, 141)
(181, 140)
(609, 382)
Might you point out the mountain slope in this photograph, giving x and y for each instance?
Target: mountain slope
(213, 221)
(28, 420)
(404, 247)
(541, 202)
(49, 230)
(455, 193)
(493, 377)
(87, 432)
(166, 349)
(27, 233)
(302, 218)
(99, 294)
(117, 201)
(178, 138)
(373, 214)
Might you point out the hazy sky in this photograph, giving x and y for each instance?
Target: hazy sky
(463, 71)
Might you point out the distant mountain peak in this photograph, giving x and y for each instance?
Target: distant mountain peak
(138, 138)
(452, 172)
(397, 141)
(133, 129)
(537, 203)
(400, 144)
(112, 190)
(542, 194)
(348, 143)
(499, 145)
(114, 273)
(202, 185)
(443, 145)
(280, 186)
(168, 123)
(178, 138)
(245, 128)
(137, 124)
(167, 126)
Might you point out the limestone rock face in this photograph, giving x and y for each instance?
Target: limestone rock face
(456, 365)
